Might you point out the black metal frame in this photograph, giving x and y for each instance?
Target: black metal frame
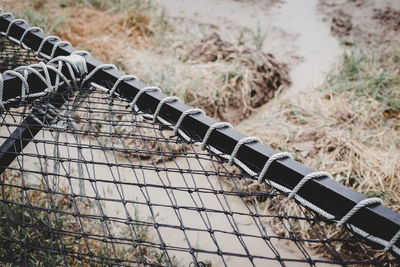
(325, 193)
(28, 129)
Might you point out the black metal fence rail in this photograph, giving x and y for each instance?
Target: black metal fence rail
(330, 196)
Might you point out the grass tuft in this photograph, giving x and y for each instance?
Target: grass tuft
(362, 74)
(344, 128)
(40, 19)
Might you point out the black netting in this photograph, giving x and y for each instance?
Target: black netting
(13, 56)
(100, 185)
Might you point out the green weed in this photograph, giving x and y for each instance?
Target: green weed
(362, 73)
(258, 37)
(39, 19)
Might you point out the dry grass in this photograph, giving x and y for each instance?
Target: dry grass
(350, 128)
(105, 28)
(228, 81)
(24, 229)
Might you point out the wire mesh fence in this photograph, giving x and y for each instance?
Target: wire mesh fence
(99, 184)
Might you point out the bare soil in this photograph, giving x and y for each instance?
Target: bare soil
(265, 77)
(370, 22)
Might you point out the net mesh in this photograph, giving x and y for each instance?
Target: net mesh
(13, 56)
(101, 185)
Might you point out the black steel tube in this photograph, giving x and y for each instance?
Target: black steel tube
(25, 132)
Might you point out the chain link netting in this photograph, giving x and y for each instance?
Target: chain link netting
(101, 185)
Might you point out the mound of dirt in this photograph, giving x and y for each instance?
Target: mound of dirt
(264, 75)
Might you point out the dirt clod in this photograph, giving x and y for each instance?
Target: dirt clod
(264, 75)
(341, 24)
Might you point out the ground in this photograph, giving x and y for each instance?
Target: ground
(325, 88)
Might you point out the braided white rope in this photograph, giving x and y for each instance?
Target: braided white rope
(375, 239)
(3, 15)
(82, 53)
(309, 176)
(59, 74)
(25, 85)
(74, 61)
(29, 29)
(277, 156)
(361, 204)
(31, 69)
(142, 91)
(120, 79)
(75, 64)
(245, 140)
(168, 99)
(15, 21)
(47, 76)
(191, 111)
(392, 241)
(56, 45)
(217, 125)
(98, 68)
(46, 39)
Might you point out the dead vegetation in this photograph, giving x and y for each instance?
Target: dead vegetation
(104, 28)
(260, 78)
(350, 128)
(229, 81)
(39, 227)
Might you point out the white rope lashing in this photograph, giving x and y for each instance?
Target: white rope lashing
(1, 92)
(6, 14)
(309, 176)
(73, 61)
(218, 125)
(277, 156)
(120, 79)
(82, 53)
(361, 204)
(392, 241)
(15, 21)
(191, 111)
(245, 140)
(34, 71)
(75, 64)
(98, 68)
(46, 39)
(56, 45)
(142, 91)
(29, 29)
(25, 85)
(168, 99)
